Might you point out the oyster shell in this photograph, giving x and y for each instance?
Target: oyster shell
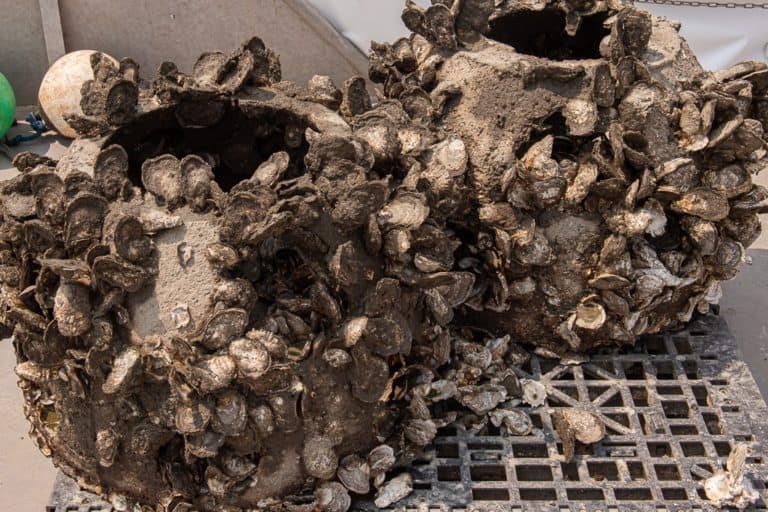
(162, 176)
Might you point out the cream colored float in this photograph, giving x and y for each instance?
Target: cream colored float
(59, 94)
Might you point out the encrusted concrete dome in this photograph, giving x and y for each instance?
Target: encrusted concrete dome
(199, 289)
(610, 176)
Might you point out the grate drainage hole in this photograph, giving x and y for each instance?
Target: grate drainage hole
(634, 371)
(529, 451)
(723, 449)
(603, 471)
(636, 470)
(674, 494)
(449, 473)
(693, 449)
(585, 494)
(632, 494)
(691, 369)
(490, 494)
(538, 494)
(639, 396)
(570, 471)
(667, 472)
(448, 451)
(659, 449)
(664, 370)
(713, 423)
(488, 473)
(669, 390)
(683, 430)
(484, 446)
(682, 345)
(676, 409)
(701, 395)
(531, 473)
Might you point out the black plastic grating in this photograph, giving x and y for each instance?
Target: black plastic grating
(674, 407)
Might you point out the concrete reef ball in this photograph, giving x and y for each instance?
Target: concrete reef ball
(610, 175)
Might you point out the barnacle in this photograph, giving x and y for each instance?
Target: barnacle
(605, 168)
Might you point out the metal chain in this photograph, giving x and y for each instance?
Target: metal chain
(696, 3)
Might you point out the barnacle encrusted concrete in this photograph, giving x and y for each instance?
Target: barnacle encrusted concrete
(610, 175)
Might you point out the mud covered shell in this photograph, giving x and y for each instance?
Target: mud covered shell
(320, 459)
(222, 256)
(534, 392)
(355, 98)
(704, 203)
(124, 369)
(482, 399)
(72, 309)
(197, 181)
(455, 287)
(269, 172)
(420, 432)
(381, 459)
(324, 91)
(577, 425)
(204, 445)
(369, 375)
(355, 474)
(732, 180)
(407, 211)
(250, 356)
(83, 221)
(332, 497)
(518, 423)
(127, 238)
(394, 490)
(214, 373)
(193, 418)
(590, 315)
(230, 413)
(110, 171)
(48, 189)
(116, 272)
(224, 327)
(69, 270)
(162, 177)
(385, 337)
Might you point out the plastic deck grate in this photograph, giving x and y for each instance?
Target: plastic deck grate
(674, 407)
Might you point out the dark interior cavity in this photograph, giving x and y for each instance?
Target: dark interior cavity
(236, 145)
(542, 33)
(564, 146)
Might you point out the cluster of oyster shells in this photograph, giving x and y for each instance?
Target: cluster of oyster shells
(234, 290)
(610, 176)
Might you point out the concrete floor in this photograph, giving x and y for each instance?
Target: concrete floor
(26, 476)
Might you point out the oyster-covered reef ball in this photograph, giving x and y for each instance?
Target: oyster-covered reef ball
(232, 290)
(610, 176)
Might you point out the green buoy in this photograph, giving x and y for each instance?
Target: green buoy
(7, 106)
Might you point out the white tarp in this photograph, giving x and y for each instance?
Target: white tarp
(719, 36)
